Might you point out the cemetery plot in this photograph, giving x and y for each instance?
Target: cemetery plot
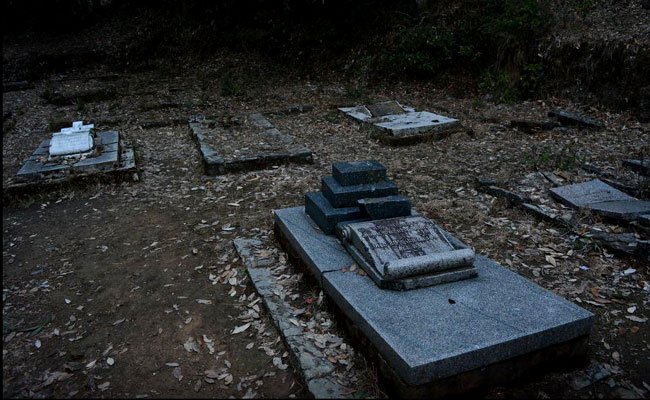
(75, 153)
(395, 123)
(591, 209)
(246, 142)
(433, 336)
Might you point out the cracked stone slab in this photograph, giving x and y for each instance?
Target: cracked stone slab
(432, 333)
(398, 123)
(313, 365)
(601, 198)
(216, 163)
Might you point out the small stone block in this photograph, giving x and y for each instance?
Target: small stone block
(385, 108)
(347, 196)
(358, 172)
(108, 137)
(640, 166)
(386, 207)
(325, 216)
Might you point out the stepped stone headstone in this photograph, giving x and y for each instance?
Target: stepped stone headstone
(375, 225)
(397, 123)
(350, 182)
(599, 197)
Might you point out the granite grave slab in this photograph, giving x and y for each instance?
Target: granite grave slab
(244, 143)
(396, 123)
(439, 331)
(434, 324)
(602, 199)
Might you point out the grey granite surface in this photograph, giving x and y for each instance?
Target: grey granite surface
(601, 198)
(347, 196)
(439, 331)
(358, 172)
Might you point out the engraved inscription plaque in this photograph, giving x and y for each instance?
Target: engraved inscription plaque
(404, 247)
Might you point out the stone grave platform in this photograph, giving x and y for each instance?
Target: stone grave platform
(105, 157)
(422, 301)
(602, 199)
(244, 143)
(395, 123)
(443, 339)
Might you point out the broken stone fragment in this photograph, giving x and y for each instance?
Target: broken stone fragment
(571, 118)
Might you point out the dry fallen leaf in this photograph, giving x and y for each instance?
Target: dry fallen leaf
(176, 373)
(241, 329)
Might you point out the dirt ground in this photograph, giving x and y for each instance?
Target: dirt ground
(114, 290)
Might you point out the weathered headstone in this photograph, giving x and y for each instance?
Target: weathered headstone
(406, 252)
(602, 199)
(435, 337)
(397, 123)
(74, 141)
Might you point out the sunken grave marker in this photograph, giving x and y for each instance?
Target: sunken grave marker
(395, 123)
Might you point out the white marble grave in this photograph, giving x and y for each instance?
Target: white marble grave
(74, 141)
(400, 121)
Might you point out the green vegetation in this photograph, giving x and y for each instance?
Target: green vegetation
(562, 159)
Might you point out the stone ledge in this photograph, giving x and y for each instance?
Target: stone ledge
(314, 367)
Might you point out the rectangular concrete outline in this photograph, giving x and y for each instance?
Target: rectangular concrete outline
(215, 164)
(314, 367)
(422, 375)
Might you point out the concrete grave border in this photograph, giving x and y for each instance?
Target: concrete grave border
(113, 163)
(314, 367)
(216, 164)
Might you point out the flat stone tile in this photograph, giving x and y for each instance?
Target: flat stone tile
(31, 167)
(414, 123)
(587, 193)
(434, 332)
(601, 198)
(108, 137)
(320, 252)
(105, 159)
